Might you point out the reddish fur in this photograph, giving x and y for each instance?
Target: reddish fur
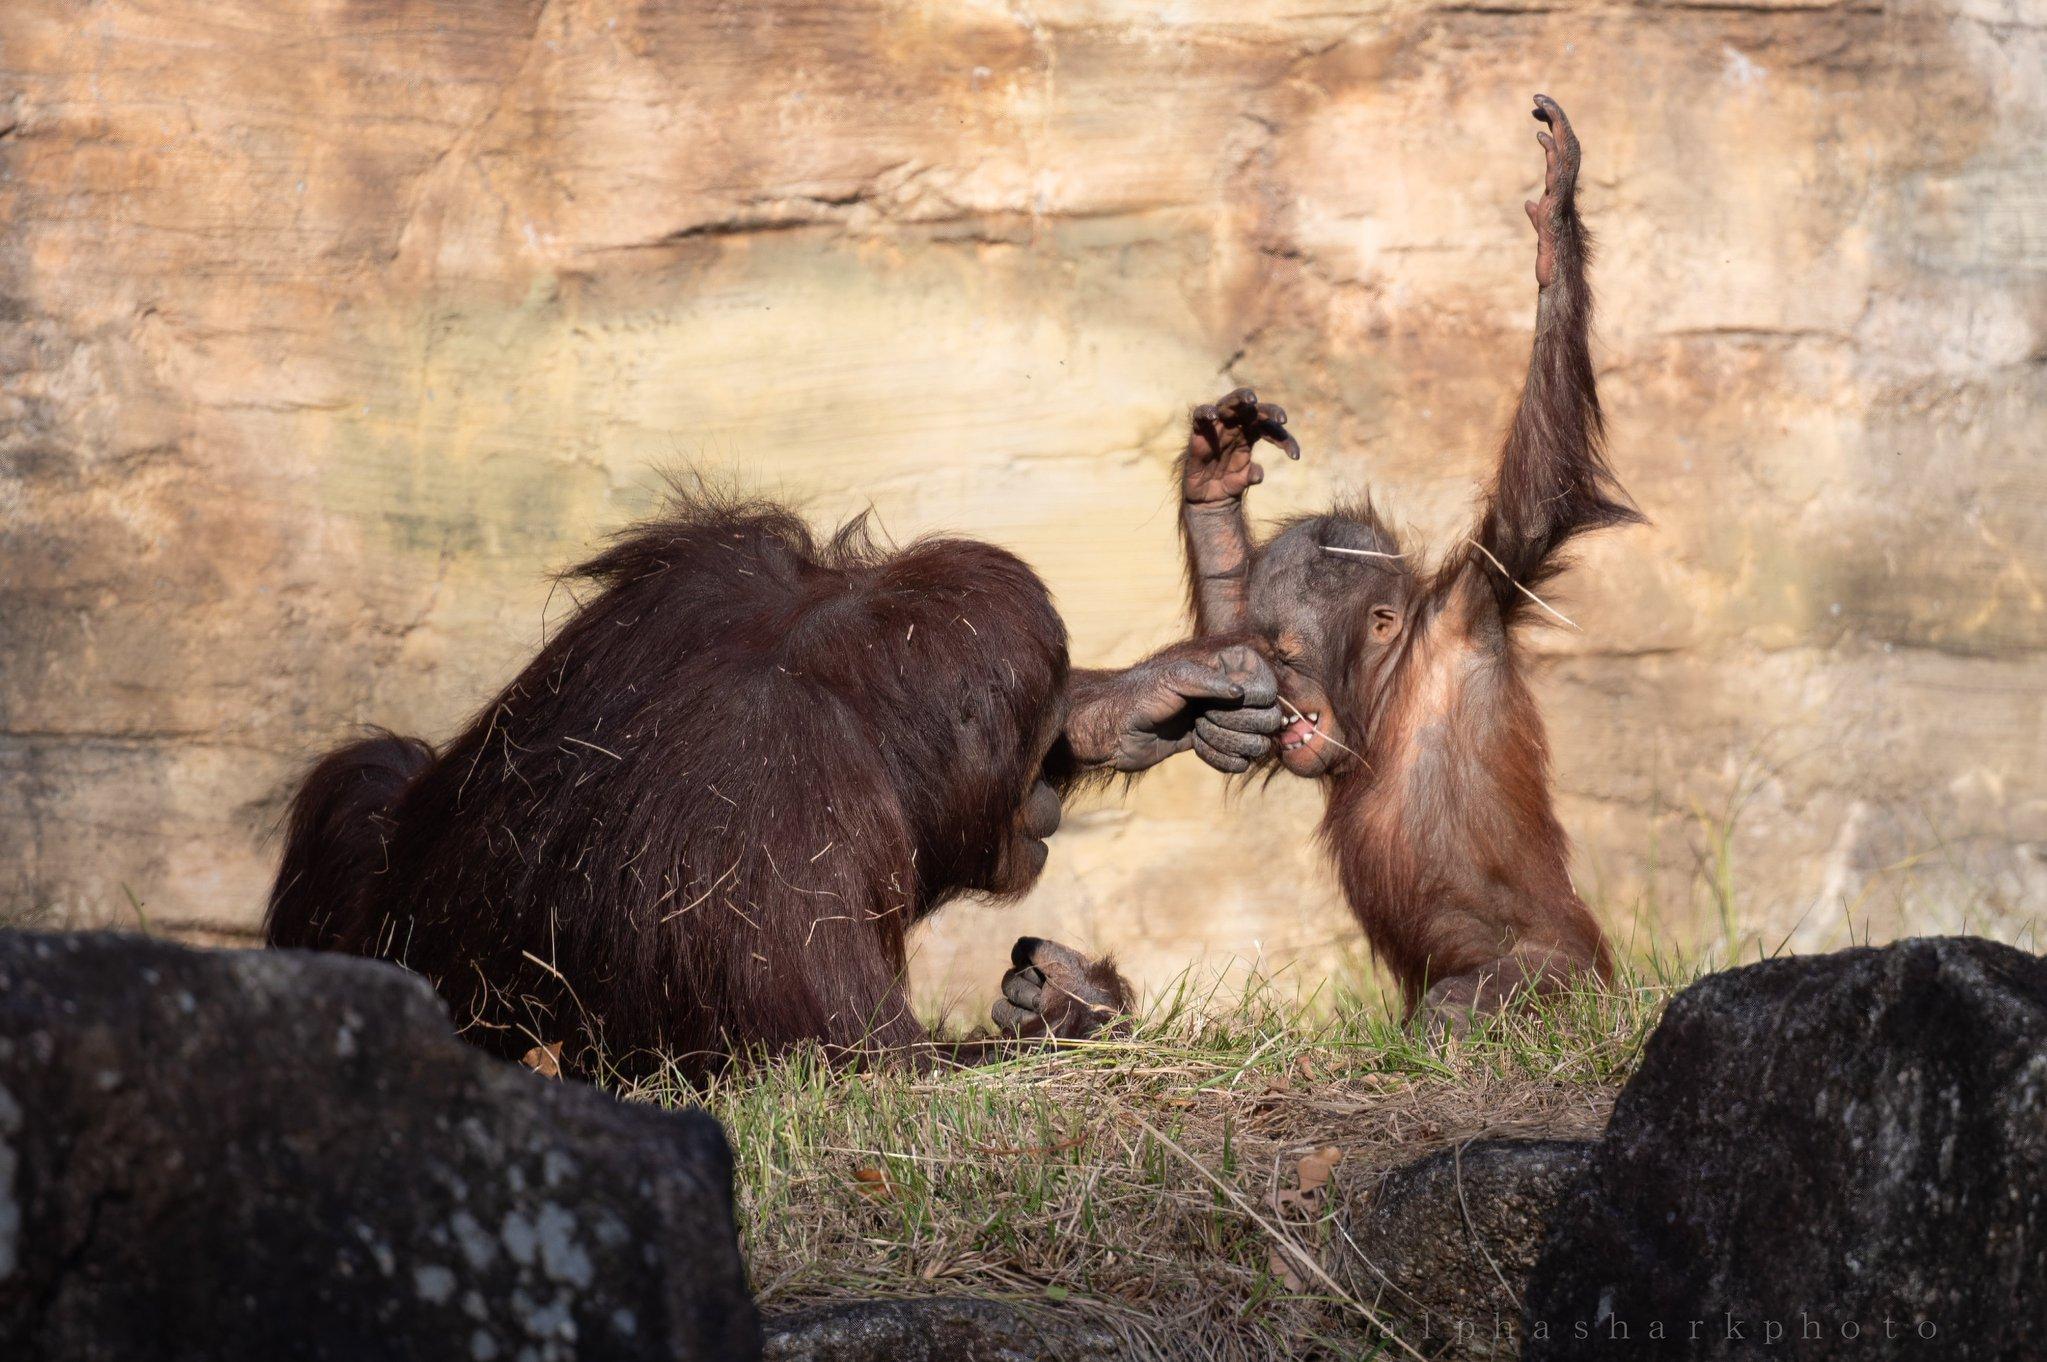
(1441, 824)
(1448, 847)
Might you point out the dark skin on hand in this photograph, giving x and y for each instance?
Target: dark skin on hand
(1054, 991)
(1404, 690)
(1218, 701)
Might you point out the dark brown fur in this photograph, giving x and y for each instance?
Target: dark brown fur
(704, 816)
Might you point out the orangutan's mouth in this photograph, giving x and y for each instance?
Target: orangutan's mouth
(1303, 730)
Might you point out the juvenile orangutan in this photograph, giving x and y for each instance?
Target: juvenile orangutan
(1406, 690)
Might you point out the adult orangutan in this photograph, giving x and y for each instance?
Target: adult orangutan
(1406, 690)
(701, 820)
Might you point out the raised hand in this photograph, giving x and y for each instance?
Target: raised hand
(1218, 465)
(1555, 214)
(1054, 990)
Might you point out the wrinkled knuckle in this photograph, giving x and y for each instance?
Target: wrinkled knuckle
(1225, 762)
(1234, 749)
(1248, 720)
(1057, 955)
(1229, 739)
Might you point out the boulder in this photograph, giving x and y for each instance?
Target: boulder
(1834, 1156)
(940, 1329)
(1441, 1248)
(237, 1154)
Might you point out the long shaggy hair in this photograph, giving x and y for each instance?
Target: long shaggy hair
(703, 817)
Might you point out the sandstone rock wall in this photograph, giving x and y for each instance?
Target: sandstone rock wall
(328, 331)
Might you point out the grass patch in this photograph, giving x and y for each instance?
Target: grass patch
(1144, 1180)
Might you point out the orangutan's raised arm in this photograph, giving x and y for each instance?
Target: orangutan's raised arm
(1553, 481)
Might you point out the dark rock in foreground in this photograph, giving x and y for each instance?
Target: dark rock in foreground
(938, 1330)
(1442, 1247)
(1837, 1156)
(264, 1155)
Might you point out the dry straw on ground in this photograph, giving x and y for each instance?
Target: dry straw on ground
(1184, 1186)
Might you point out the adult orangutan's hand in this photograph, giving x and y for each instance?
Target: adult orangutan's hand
(1218, 698)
